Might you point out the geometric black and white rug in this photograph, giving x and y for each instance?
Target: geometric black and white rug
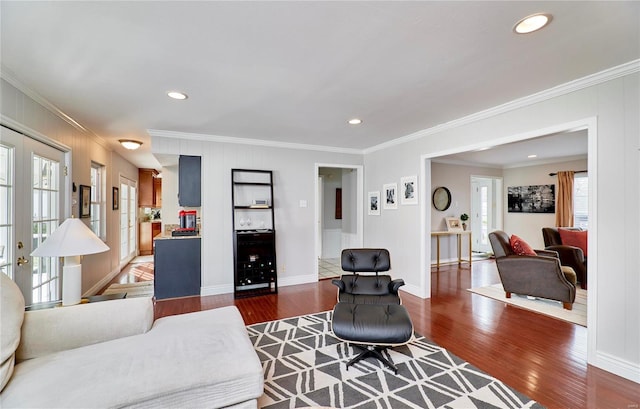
(305, 365)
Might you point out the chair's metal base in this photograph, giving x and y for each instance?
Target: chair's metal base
(374, 351)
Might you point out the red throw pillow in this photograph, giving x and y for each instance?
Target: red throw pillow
(521, 247)
(576, 238)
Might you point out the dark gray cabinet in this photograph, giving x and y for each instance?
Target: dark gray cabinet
(177, 267)
(189, 181)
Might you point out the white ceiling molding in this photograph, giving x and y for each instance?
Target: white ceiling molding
(249, 141)
(8, 76)
(563, 89)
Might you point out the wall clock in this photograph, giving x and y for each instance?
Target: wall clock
(441, 198)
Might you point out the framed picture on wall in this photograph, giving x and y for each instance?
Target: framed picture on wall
(374, 203)
(116, 199)
(85, 201)
(453, 224)
(390, 199)
(409, 190)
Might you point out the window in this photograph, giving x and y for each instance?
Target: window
(98, 200)
(581, 201)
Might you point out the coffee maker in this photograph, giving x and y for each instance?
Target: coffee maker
(188, 223)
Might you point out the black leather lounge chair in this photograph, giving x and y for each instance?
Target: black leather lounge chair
(359, 288)
(369, 314)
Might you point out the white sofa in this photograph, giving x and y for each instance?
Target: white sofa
(112, 354)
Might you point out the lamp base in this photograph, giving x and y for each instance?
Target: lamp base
(71, 281)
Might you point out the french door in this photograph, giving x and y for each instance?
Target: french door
(128, 206)
(32, 202)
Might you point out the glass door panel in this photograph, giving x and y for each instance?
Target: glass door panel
(31, 182)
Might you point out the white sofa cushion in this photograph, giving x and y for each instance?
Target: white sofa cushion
(202, 359)
(11, 316)
(56, 329)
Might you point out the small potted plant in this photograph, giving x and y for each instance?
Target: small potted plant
(464, 217)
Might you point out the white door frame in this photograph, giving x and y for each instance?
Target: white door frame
(359, 204)
(591, 125)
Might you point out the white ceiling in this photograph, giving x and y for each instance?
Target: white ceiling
(297, 71)
(553, 148)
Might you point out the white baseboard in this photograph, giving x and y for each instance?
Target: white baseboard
(216, 289)
(295, 280)
(447, 260)
(282, 282)
(415, 290)
(617, 366)
(100, 284)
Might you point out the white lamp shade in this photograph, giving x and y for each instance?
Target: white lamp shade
(71, 238)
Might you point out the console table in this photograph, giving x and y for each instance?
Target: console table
(459, 234)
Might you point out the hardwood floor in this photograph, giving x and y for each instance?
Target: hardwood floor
(542, 357)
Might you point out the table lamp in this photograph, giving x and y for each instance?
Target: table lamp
(71, 240)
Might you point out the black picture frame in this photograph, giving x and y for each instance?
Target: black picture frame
(84, 202)
(531, 199)
(115, 202)
(441, 198)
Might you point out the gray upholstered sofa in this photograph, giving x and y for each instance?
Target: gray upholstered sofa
(112, 354)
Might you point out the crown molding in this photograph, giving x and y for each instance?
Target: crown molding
(563, 89)
(249, 141)
(457, 162)
(7, 75)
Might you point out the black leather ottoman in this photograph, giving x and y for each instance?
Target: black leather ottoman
(373, 328)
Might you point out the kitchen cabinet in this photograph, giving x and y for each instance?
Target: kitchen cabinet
(254, 244)
(147, 188)
(189, 181)
(177, 268)
(157, 191)
(146, 233)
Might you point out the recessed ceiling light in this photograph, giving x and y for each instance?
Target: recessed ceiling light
(532, 23)
(177, 95)
(355, 121)
(130, 144)
(532, 156)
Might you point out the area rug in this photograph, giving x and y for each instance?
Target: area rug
(138, 289)
(144, 271)
(305, 365)
(578, 315)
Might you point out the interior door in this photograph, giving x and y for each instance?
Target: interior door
(31, 193)
(482, 213)
(128, 206)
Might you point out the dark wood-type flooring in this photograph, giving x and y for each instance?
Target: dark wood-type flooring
(542, 357)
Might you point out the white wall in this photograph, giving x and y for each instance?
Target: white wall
(33, 116)
(529, 225)
(612, 107)
(457, 179)
(294, 175)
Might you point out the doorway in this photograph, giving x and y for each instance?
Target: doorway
(486, 211)
(128, 206)
(339, 215)
(32, 186)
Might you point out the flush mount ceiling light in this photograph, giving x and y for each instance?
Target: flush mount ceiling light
(532, 156)
(177, 95)
(532, 23)
(355, 121)
(130, 144)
